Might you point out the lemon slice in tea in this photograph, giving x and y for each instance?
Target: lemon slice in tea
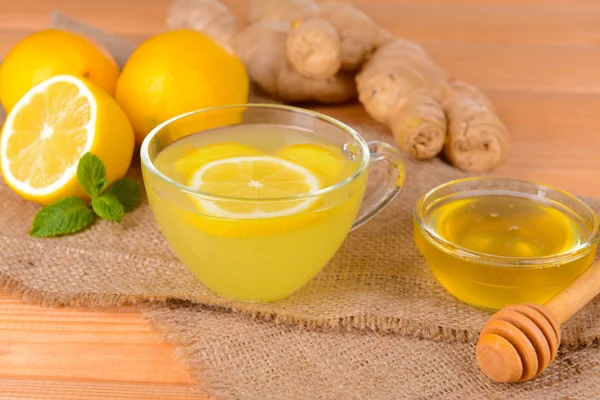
(254, 178)
(193, 158)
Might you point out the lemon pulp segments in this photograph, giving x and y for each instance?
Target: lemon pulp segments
(46, 134)
(254, 178)
(52, 127)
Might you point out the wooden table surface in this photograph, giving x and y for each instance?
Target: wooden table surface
(538, 60)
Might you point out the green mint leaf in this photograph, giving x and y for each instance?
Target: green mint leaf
(108, 207)
(64, 217)
(128, 192)
(92, 175)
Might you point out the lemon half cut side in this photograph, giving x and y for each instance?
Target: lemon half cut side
(52, 127)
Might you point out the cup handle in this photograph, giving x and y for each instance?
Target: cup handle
(387, 190)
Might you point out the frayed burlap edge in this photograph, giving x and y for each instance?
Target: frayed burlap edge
(403, 326)
(50, 299)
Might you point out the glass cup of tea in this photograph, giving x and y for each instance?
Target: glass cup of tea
(256, 199)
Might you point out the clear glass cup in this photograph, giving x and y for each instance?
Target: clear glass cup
(492, 281)
(266, 259)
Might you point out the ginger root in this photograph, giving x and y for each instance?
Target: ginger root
(401, 86)
(261, 47)
(339, 37)
(477, 140)
(209, 16)
(419, 125)
(283, 11)
(314, 49)
(360, 35)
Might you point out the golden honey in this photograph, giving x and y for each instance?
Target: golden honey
(492, 248)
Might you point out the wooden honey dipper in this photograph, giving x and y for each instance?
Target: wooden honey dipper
(520, 341)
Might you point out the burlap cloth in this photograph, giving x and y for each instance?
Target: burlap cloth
(374, 324)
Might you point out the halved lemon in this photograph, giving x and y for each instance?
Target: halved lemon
(254, 178)
(52, 127)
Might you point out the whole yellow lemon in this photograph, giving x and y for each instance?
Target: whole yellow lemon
(177, 72)
(49, 53)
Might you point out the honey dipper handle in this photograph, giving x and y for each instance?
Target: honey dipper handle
(576, 295)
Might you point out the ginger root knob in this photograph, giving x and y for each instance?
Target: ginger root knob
(396, 69)
(339, 37)
(262, 48)
(314, 49)
(359, 34)
(477, 141)
(419, 125)
(401, 86)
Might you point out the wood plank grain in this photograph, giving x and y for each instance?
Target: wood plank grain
(485, 23)
(563, 4)
(566, 69)
(372, 5)
(27, 389)
(122, 17)
(70, 352)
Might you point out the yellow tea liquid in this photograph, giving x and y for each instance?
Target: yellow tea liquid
(507, 226)
(257, 259)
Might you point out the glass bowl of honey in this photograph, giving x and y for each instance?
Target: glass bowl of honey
(494, 241)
